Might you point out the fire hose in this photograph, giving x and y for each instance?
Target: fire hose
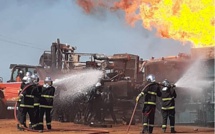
(90, 131)
(135, 107)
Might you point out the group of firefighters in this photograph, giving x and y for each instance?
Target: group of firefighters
(151, 90)
(35, 100)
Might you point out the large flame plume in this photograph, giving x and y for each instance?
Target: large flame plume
(184, 20)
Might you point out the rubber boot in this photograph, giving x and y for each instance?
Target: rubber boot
(173, 130)
(163, 130)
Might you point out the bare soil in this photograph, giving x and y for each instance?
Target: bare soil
(8, 126)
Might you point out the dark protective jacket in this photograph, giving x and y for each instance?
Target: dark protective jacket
(37, 93)
(168, 97)
(27, 96)
(150, 92)
(47, 97)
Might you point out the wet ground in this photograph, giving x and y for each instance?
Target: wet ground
(8, 126)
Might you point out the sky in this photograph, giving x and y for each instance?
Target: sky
(28, 28)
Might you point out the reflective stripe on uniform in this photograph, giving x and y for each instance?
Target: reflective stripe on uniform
(29, 96)
(150, 103)
(48, 123)
(46, 106)
(145, 124)
(36, 104)
(163, 126)
(166, 99)
(29, 106)
(168, 108)
(34, 125)
(172, 126)
(47, 96)
(40, 123)
(151, 125)
(152, 93)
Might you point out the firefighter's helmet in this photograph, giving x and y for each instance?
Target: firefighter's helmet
(166, 83)
(28, 74)
(35, 78)
(26, 80)
(150, 78)
(48, 81)
(21, 72)
(98, 84)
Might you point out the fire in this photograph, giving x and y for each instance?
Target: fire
(183, 20)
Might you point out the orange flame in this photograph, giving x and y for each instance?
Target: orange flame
(184, 20)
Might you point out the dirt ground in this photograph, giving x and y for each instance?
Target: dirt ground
(8, 126)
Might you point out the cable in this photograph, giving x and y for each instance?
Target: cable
(24, 44)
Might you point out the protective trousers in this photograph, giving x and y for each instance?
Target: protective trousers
(23, 113)
(36, 117)
(148, 118)
(47, 113)
(171, 114)
(18, 111)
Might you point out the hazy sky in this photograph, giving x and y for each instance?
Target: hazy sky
(28, 27)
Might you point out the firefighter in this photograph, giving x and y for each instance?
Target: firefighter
(20, 76)
(22, 86)
(37, 91)
(151, 90)
(27, 102)
(46, 103)
(168, 105)
(94, 104)
(108, 104)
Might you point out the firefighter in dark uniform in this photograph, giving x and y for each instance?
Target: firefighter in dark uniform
(37, 91)
(151, 91)
(46, 103)
(108, 104)
(23, 85)
(168, 105)
(94, 104)
(27, 103)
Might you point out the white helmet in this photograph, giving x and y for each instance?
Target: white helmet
(98, 84)
(150, 78)
(48, 79)
(166, 83)
(21, 72)
(35, 78)
(26, 80)
(28, 74)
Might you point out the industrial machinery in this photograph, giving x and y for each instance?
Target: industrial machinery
(125, 73)
(121, 71)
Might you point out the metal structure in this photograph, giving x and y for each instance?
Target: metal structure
(121, 71)
(125, 73)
